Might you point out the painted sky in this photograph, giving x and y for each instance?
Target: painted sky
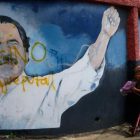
(63, 28)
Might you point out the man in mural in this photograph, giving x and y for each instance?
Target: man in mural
(38, 102)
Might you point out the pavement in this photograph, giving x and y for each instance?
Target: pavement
(114, 133)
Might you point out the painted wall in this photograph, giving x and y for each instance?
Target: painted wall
(61, 30)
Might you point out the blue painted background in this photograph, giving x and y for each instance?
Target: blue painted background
(63, 28)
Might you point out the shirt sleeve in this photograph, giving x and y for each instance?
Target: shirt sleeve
(77, 81)
(65, 89)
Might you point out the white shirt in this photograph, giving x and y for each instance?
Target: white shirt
(29, 106)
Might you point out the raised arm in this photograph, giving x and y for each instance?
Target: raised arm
(110, 23)
(81, 78)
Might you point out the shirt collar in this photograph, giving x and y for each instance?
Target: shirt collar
(22, 77)
(11, 86)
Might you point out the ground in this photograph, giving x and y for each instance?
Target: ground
(114, 133)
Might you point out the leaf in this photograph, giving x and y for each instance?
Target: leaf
(11, 135)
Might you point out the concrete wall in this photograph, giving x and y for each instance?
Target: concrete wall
(60, 29)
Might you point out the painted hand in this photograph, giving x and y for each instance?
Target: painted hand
(110, 21)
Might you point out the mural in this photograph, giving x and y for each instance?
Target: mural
(38, 99)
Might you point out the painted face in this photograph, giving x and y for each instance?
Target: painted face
(13, 56)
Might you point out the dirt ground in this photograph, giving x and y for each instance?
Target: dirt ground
(114, 133)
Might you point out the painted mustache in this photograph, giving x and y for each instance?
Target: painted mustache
(8, 60)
